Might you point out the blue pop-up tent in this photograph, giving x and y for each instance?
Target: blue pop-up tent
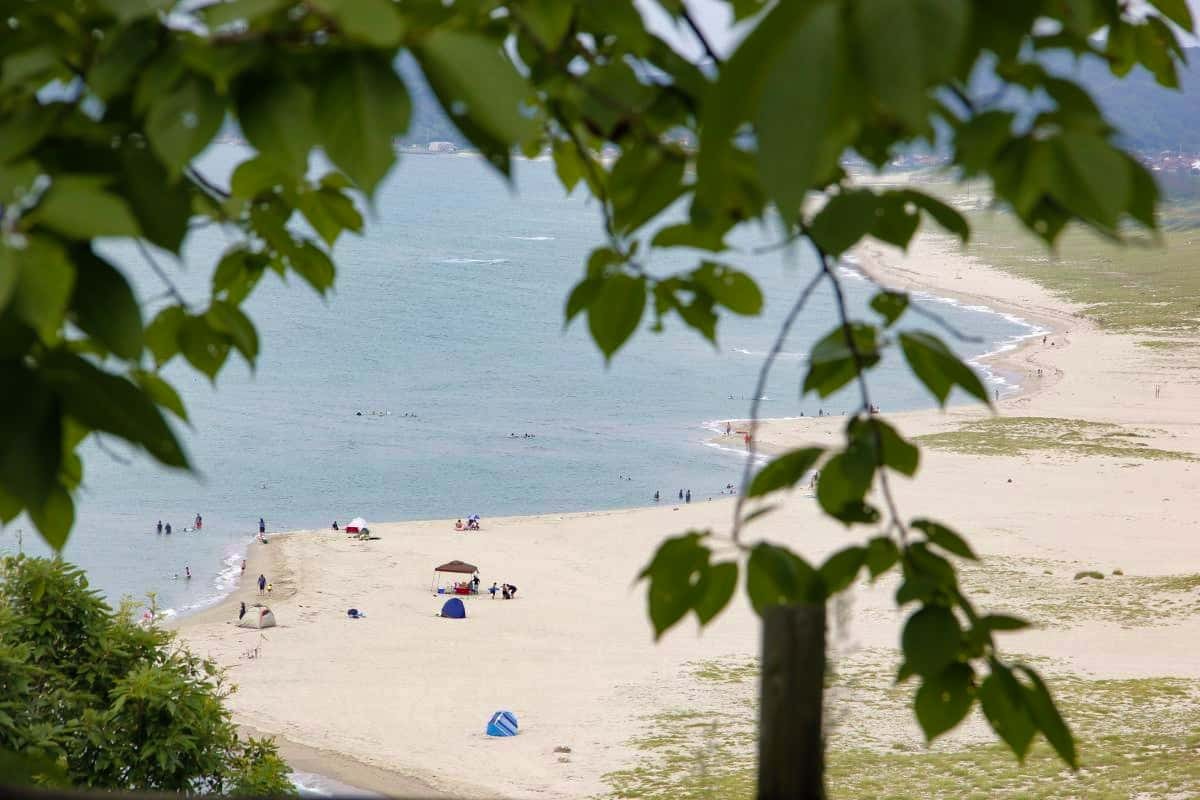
(502, 723)
(454, 609)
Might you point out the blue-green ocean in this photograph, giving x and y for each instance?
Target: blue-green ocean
(446, 331)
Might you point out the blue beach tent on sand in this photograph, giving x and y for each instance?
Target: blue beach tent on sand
(502, 723)
(454, 609)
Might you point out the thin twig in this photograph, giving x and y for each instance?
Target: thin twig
(211, 189)
(761, 386)
(699, 34)
(827, 262)
(166, 279)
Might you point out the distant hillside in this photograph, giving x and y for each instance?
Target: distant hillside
(1149, 117)
(429, 123)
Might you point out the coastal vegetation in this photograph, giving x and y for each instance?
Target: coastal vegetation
(1015, 436)
(106, 106)
(91, 698)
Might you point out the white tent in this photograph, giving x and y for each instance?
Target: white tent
(356, 525)
(258, 617)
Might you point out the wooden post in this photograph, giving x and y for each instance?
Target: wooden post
(791, 746)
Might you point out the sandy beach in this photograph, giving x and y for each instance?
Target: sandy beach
(397, 702)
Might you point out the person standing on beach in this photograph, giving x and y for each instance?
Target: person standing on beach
(270, 586)
(159, 526)
(689, 496)
(199, 522)
(262, 526)
(243, 566)
(656, 497)
(167, 530)
(187, 572)
(262, 583)
(681, 494)
(242, 610)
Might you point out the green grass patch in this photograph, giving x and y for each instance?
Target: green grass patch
(1148, 285)
(1137, 738)
(726, 671)
(1015, 436)
(1167, 344)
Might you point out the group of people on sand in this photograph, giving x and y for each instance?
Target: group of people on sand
(472, 524)
(506, 590)
(166, 528)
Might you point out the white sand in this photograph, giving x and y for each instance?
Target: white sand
(404, 693)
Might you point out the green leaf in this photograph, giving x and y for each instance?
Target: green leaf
(257, 175)
(944, 538)
(889, 305)
(182, 122)
(685, 234)
(831, 362)
(944, 700)
(844, 220)
(615, 311)
(162, 208)
(548, 20)
(776, 576)
(943, 215)
(227, 318)
(1002, 700)
(735, 290)
(676, 565)
(643, 182)
(330, 212)
(277, 118)
(582, 296)
(373, 109)
(161, 392)
(931, 640)
(105, 307)
(81, 207)
(477, 84)
(375, 22)
(886, 445)
(54, 517)
(162, 334)
(127, 10)
(205, 348)
(30, 436)
(1048, 720)
(312, 264)
(715, 590)
(107, 402)
(43, 287)
(840, 569)
(938, 368)
(23, 127)
(784, 471)
(882, 555)
(218, 15)
(1177, 11)
(794, 117)
(1002, 622)
(844, 482)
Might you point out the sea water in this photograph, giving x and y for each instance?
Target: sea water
(445, 330)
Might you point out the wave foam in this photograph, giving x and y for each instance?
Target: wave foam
(533, 238)
(474, 260)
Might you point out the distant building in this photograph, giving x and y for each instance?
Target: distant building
(442, 147)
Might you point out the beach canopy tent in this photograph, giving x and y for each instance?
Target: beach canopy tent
(355, 525)
(454, 609)
(455, 574)
(258, 617)
(502, 723)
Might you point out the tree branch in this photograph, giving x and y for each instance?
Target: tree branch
(162, 274)
(699, 34)
(760, 387)
(211, 189)
(827, 263)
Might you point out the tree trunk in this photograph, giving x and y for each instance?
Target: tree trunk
(791, 748)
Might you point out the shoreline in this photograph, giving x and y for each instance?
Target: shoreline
(271, 559)
(398, 701)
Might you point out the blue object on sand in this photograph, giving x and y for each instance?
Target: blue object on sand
(454, 609)
(502, 723)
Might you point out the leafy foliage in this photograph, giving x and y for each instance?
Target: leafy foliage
(110, 704)
(105, 105)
